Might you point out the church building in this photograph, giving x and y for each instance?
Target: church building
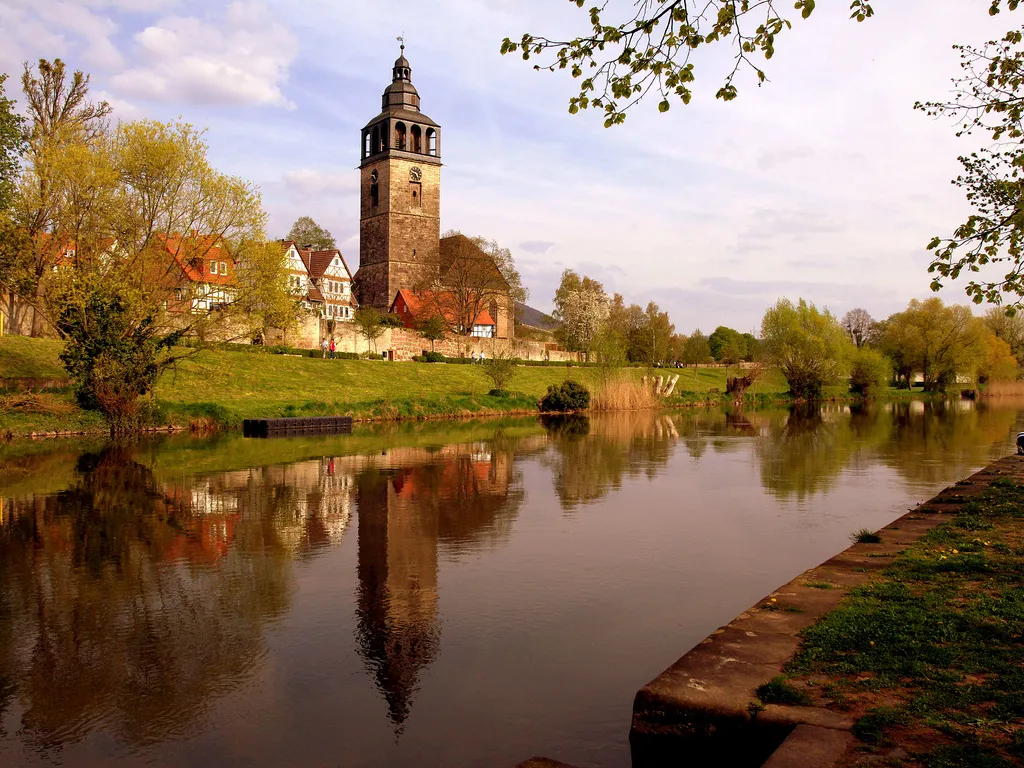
(400, 244)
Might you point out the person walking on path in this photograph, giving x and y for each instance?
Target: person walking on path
(323, 346)
(332, 348)
(473, 356)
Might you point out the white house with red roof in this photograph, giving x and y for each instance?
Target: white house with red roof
(202, 271)
(331, 276)
(322, 281)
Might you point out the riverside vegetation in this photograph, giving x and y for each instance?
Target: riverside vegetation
(219, 388)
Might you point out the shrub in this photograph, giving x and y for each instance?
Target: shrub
(433, 357)
(779, 690)
(864, 536)
(500, 370)
(499, 393)
(870, 371)
(569, 396)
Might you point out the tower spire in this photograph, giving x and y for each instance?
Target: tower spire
(402, 71)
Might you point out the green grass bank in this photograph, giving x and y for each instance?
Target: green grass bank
(929, 657)
(219, 388)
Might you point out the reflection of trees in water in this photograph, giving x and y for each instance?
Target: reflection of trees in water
(716, 429)
(460, 501)
(944, 437)
(588, 463)
(804, 454)
(923, 441)
(126, 605)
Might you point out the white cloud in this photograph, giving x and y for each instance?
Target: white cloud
(306, 183)
(241, 58)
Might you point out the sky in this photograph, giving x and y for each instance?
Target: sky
(822, 184)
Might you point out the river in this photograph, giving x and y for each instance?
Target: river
(433, 594)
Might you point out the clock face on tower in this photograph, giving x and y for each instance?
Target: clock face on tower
(415, 174)
(374, 176)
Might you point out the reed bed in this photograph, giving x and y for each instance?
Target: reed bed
(1004, 389)
(621, 394)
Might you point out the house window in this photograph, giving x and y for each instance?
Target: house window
(213, 267)
(223, 268)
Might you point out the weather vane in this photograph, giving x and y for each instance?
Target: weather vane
(401, 39)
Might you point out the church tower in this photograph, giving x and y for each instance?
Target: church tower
(400, 195)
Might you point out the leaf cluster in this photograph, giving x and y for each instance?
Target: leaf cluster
(988, 98)
(629, 52)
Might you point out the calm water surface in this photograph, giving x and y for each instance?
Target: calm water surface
(424, 595)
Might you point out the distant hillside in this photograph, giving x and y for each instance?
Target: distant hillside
(534, 318)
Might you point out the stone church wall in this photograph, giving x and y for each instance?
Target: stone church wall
(404, 344)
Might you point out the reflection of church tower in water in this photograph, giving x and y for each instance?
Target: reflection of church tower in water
(464, 499)
(397, 609)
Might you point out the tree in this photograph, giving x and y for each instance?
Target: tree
(472, 275)
(368, 324)
(501, 368)
(112, 201)
(306, 232)
(63, 123)
(1009, 328)
(115, 351)
(581, 306)
(720, 339)
(752, 346)
(940, 342)
(263, 295)
(989, 98)
(733, 352)
(432, 328)
(609, 345)
(696, 351)
(807, 344)
(658, 329)
(870, 371)
(12, 146)
(858, 324)
(997, 362)
(650, 46)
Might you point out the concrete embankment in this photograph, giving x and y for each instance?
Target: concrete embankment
(705, 709)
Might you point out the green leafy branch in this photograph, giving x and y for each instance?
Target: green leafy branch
(619, 63)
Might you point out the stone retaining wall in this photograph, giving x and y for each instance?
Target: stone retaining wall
(404, 344)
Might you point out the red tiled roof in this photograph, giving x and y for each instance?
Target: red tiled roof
(193, 254)
(417, 303)
(314, 294)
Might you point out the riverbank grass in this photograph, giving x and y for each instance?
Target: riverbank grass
(220, 388)
(930, 657)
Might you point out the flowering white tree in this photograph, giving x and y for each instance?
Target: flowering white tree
(584, 312)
